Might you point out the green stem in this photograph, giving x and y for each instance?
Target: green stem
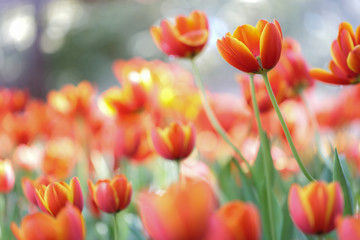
(267, 161)
(116, 228)
(285, 128)
(212, 118)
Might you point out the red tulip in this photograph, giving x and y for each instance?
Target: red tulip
(315, 207)
(7, 176)
(345, 65)
(111, 196)
(241, 219)
(175, 142)
(252, 49)
(184, 39)
(52, 198)
(68, 224)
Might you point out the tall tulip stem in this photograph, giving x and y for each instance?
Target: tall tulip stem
(267, 163)
(285, 128)
(212, 118)
(116, 227)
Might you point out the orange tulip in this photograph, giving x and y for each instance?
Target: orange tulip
(182, 212)
(68, 224)
(111, 196)
(315, 207)
(29, 187)
(184, 39)
(241, 219)
(345, 65)
(348, 228)
(7, 176)
(175, 142)
(252, 49)
(52, 198)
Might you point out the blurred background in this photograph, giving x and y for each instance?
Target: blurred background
(45, 44)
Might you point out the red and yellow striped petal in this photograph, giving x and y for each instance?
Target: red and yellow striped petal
(353, 60)
(77, 196)
(250, 36)
(326, 77)
(105, 197)
(71, 225)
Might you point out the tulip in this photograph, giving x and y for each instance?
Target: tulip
(315, 207)
(29, 187)
(183, 212)
(69, 224)
(111, 196)
(52, 198)
(184, 39)
(252, 49)
(348, 228)
(7, 176)
(175, 142)
(241, 219)
(345, 65)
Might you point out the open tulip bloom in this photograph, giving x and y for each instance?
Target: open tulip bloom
(157, 155)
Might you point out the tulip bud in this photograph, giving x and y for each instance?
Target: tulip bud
(314, 207)
(111, 196)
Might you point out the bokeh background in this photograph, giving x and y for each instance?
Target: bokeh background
(45, 44)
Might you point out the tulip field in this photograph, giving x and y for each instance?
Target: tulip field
(159, 156)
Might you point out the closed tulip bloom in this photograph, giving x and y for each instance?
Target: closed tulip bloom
(348, 228)
(241, 219)
(315, 207)
(174, 142)
(345, 64)
(7, 176)
(252, 49)
(184, 39)
(29, 187)
(184, 211)
(69, 225)
(52, 198)
(111, 196)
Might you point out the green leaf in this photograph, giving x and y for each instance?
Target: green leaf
(339, 175)
(287, 227)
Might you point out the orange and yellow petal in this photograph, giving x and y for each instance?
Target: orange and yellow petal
(250, 36)
(324, 76)
(353, 59)
(270, 46)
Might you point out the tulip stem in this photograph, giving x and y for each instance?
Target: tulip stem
(285, 128)
(267, 161)
(212, 118)
(116, 228)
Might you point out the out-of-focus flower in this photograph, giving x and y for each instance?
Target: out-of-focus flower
(69, 224)
(241, 219)
(348, 228)
(59, 157)
(345, 65)
(29, 187)
(278, 86)
(53, 197)
(131, 142)
(174, 142)
(131, 99)
(315, 207)
(19, 132)
(12, 100)
(28, 157)
(293, 68)
(93, 208)
(111, 196)
(73, 100)
(182, 212)
(7, 176)
(252, 49)
(184, 39)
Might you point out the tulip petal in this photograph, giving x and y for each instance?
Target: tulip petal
(345, 26)
(123, 190)
(56, 196)
(261, 25)
(250, 36)
(357, 35)
(194, 38)
(171, 44)
(270, 46)
(77, 196)
(106, 197)
(71, 224)
(237, 54)
(345, 42)
(340, 59)
(156, 35)
(162, 144)
(353, 59)
(324, 76)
